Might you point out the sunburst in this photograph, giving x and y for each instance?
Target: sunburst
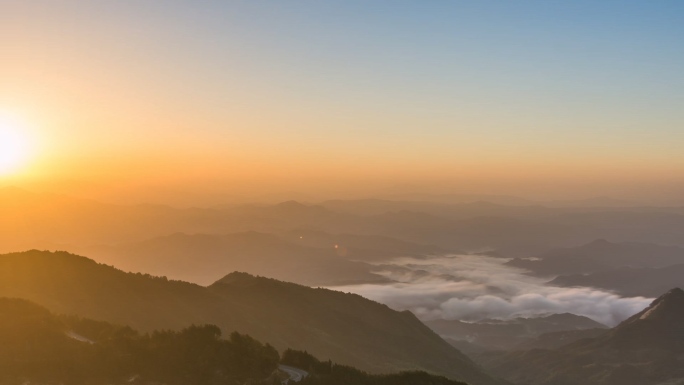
(14, 145)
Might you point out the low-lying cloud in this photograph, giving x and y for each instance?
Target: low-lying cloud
(471, 288)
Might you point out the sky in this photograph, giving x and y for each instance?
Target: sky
(545, 99)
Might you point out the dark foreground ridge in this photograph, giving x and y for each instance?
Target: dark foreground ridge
(345, 328)
(41, 348)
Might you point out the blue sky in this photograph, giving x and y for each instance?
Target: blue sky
(585, 85)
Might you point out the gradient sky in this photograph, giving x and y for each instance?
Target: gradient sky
(557, 96)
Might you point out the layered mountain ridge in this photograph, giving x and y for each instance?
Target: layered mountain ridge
(346, 328)
(645, 349)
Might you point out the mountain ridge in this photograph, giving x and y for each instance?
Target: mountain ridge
(344, 327)
(645, 349)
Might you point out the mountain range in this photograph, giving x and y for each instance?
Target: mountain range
(50, 221)
(628, 281)
(346, 328)
(601, 255)
(508, 334)
(202, 258)
(646, 349)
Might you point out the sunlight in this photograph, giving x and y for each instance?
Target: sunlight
(14, 146)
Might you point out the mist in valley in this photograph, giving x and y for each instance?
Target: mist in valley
(478, 287)
(332, 193)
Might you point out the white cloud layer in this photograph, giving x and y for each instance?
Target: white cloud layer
(470, 287)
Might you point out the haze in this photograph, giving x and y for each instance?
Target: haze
(185, 104)
(341, 192)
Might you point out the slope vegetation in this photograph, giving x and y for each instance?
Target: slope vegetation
(646, 349)
(332, 325)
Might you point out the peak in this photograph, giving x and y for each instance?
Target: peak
(674, 297)
(240, 279)
(235, 277)
(668, 306)
(251, 234)
(564, 316)
(601, 245)
(35, 258)
(675, 294)
(291, 203)
(657, 326)
(34, 253)
(675, 291)
(296, 206)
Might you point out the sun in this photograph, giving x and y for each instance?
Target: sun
(14, 145)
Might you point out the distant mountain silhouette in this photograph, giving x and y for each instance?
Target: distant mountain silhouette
(332, 325)
(455, 198)
(457, 211)
(646, 349)
(509, 334)
(204, 258)
(600, 201)
(628, 281)
(362, 247)
(554, 340)
(51, 221)
(601, 255)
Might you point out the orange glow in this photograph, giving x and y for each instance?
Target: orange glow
(14, 145)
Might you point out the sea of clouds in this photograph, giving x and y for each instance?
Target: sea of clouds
(475, 287)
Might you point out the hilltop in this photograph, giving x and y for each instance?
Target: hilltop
(646, 349)
(346, 328)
